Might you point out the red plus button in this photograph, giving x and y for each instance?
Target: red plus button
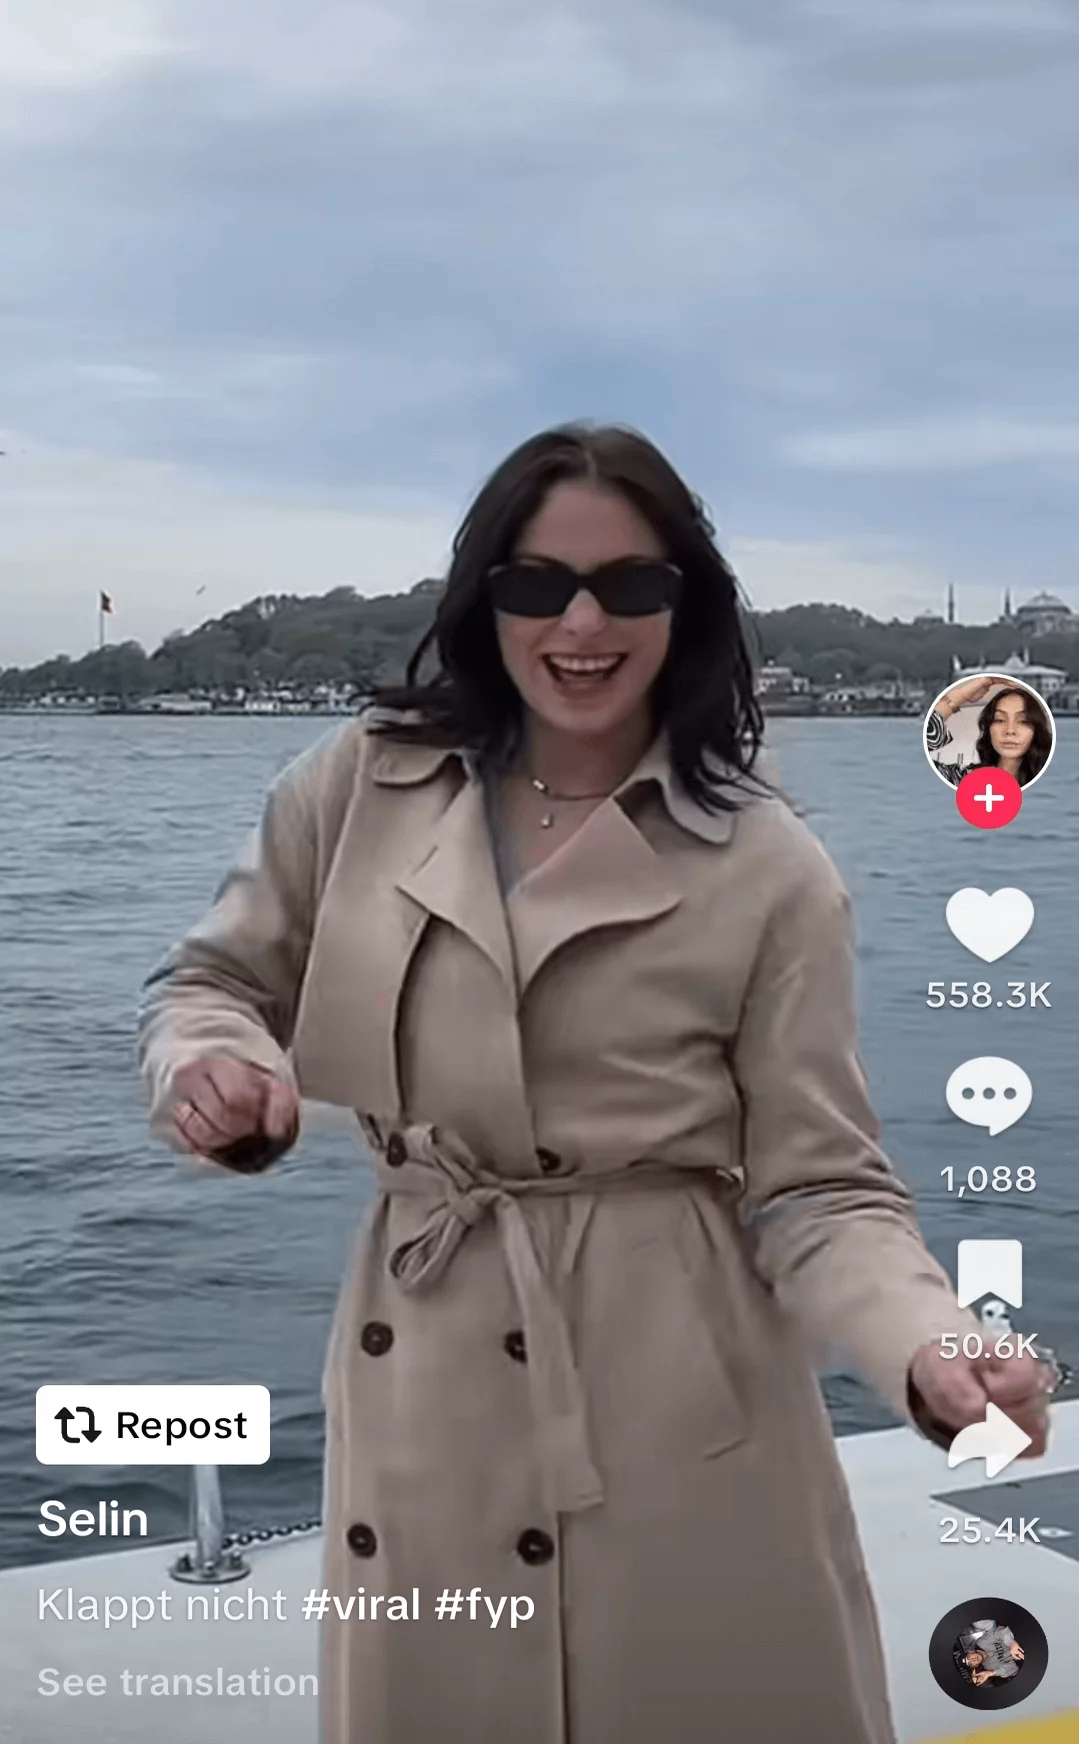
(988, 798)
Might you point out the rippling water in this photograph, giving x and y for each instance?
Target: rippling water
(117, 1264)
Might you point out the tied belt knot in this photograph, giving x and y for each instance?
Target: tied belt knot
(427, 1159)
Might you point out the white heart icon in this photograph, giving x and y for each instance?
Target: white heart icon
(990, 926)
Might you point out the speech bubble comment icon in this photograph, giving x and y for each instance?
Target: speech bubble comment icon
(989, 1092)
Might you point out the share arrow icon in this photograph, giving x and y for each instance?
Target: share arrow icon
(998, 1441)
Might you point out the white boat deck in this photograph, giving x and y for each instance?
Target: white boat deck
(896, 1480)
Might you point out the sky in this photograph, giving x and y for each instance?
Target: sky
(283, 280)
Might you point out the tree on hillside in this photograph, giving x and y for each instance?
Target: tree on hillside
(347, 638)
(834, 665)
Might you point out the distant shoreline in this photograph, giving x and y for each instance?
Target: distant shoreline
(79, 712)
(295, 712)
(199, 708)
(75, 712)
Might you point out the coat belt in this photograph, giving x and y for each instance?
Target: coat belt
(430, 1159)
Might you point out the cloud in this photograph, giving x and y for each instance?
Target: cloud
(151, 533)
(365, 248)
(927, 446)
(52, 46)
(780, 572)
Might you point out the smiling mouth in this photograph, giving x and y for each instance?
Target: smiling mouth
(570, 667)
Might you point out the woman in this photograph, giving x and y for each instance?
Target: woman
(990, 1652)
(1014, 733)
(589, 983)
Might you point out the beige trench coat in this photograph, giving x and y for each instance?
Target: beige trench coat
(630, 1188)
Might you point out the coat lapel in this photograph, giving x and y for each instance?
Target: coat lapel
(606, 875)
(454, 877)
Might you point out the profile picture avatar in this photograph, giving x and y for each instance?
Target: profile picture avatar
(989, 721)
(988, 1653)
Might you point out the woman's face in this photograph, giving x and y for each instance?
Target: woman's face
(584, 525)
(1011, 730)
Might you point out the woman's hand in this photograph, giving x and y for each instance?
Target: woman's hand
(1016, 1651)
(957, 1389)
(972, 691)
(221, 1103)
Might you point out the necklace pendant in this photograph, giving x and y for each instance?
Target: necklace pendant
(546, 821)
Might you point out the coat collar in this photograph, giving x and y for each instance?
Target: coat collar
(607, 875)
(399, 765)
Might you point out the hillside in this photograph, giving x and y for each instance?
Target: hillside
(354, 642)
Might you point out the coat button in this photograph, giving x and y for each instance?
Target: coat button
(535, 1546)
(514, 1345)
(396, 1150)
(549, 1161)
(362, 1540)
(376, 1337)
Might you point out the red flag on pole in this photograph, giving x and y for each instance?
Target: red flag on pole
(106, 602)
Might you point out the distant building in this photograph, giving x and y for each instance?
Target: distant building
(331, 696)
(875, 690)
(947, 616)
(1044, 615)
(1046, 680)
(172, 702)
(779, 679)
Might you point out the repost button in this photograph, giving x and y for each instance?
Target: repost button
(153, 1425)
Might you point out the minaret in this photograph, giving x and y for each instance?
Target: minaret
(1007, 605)
(951, 602)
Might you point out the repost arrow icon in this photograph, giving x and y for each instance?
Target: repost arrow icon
(64, 1416)
(92, 1432)
(998, 1441)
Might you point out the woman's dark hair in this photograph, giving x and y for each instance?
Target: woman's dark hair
(1035, 759)
(703, 696)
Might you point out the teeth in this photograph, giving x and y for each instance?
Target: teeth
(580, 663)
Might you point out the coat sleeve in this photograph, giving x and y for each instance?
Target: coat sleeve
(231, 984)
(834, 1230)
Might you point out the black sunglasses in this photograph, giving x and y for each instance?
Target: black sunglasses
(542, 587)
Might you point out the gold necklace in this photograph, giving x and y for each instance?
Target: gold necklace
(547, 819)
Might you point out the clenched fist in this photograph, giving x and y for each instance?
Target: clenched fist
(234, 1112)
(957, 1389)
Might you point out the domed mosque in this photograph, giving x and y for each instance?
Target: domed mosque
(1042, 615)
